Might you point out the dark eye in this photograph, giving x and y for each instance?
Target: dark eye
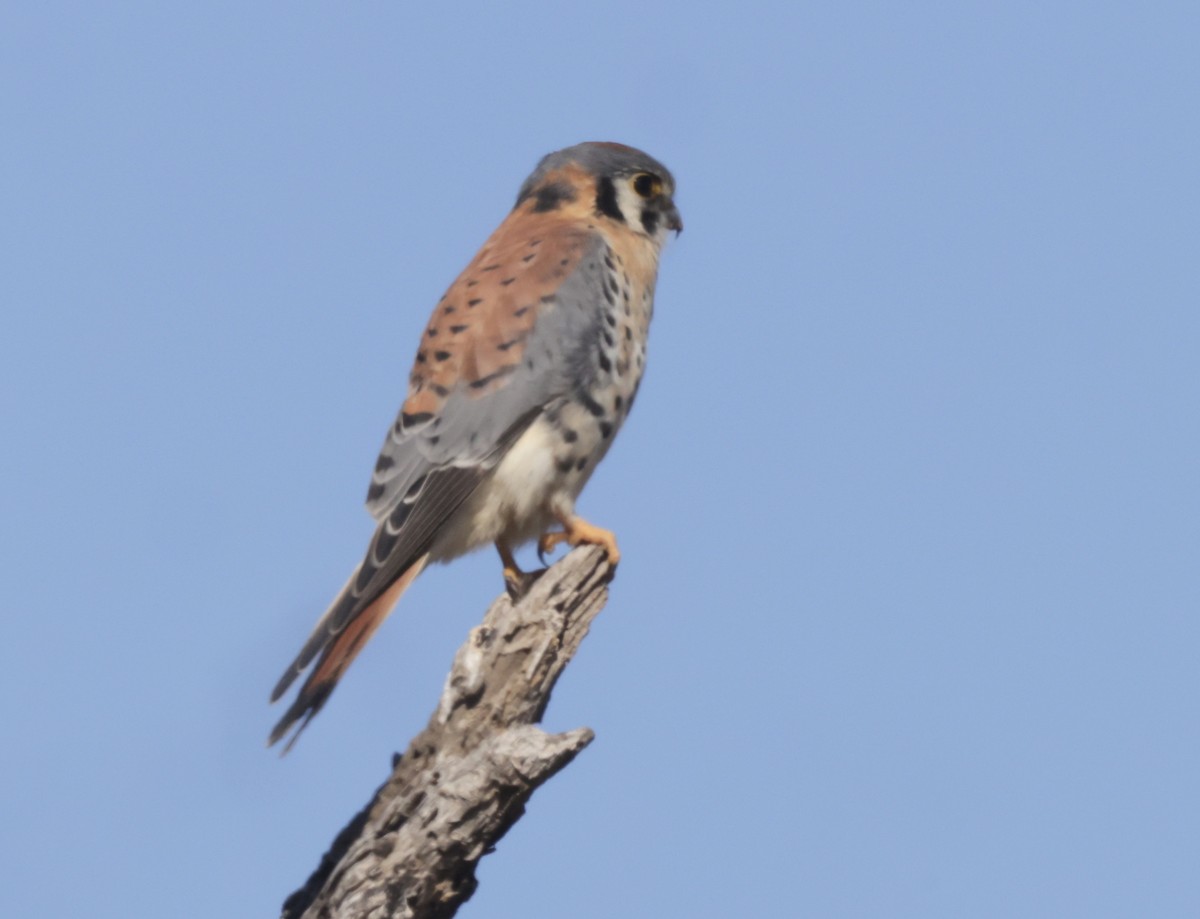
(646, 185)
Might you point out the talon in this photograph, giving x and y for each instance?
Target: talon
(516, 581)
(578, 532)
(548, 542)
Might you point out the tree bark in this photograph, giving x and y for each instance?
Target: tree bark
(464, 780)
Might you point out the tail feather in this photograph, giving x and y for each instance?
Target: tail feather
(337, 648)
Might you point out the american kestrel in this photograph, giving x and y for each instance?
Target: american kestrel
(529, 365)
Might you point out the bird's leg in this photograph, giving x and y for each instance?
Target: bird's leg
(516, 581)
(578, 532)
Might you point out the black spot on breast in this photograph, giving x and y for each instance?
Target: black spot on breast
(594, 407)
(549, 298)
(618, 402)
(582, 462)
(565, 464)
(455, 329)
(628, 333)
(606, 199)
(611, 318)
(441, 355)
(439, 390)
(523, 310)
(530, 257)
(608, 339)
(471, 304)
(446, 311)
(471, 283)
(569, 436)
(605, 363)
(613, 285)
(432, 333)
(534, 242)
(551, 197)
(505, 345)
(608, 295)
(433, 441)
(507, 281)
(491, 267)
(420, 357)
(605, 429)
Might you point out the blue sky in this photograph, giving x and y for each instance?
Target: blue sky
(906, 624)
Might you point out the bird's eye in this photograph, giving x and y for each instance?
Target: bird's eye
(647, 185)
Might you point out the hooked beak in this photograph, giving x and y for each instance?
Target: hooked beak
(673, 220)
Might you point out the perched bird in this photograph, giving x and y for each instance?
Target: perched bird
(529, 365)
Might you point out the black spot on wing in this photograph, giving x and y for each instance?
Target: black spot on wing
(502, 372)
(408, 420)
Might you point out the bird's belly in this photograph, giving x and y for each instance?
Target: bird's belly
(516, 502)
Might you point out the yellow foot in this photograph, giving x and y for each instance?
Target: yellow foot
(578, 532)
(516, 581)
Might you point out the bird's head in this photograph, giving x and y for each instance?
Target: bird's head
(620, 183)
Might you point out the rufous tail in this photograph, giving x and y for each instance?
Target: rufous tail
(339, 643)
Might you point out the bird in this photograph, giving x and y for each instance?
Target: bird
(527, 369)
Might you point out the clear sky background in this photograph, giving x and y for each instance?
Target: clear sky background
(907, 622)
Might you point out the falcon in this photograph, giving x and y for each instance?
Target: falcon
(523, 376)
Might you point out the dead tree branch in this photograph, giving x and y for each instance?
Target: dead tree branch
(464, 780)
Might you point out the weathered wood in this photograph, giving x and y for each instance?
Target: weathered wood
(464, 780)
